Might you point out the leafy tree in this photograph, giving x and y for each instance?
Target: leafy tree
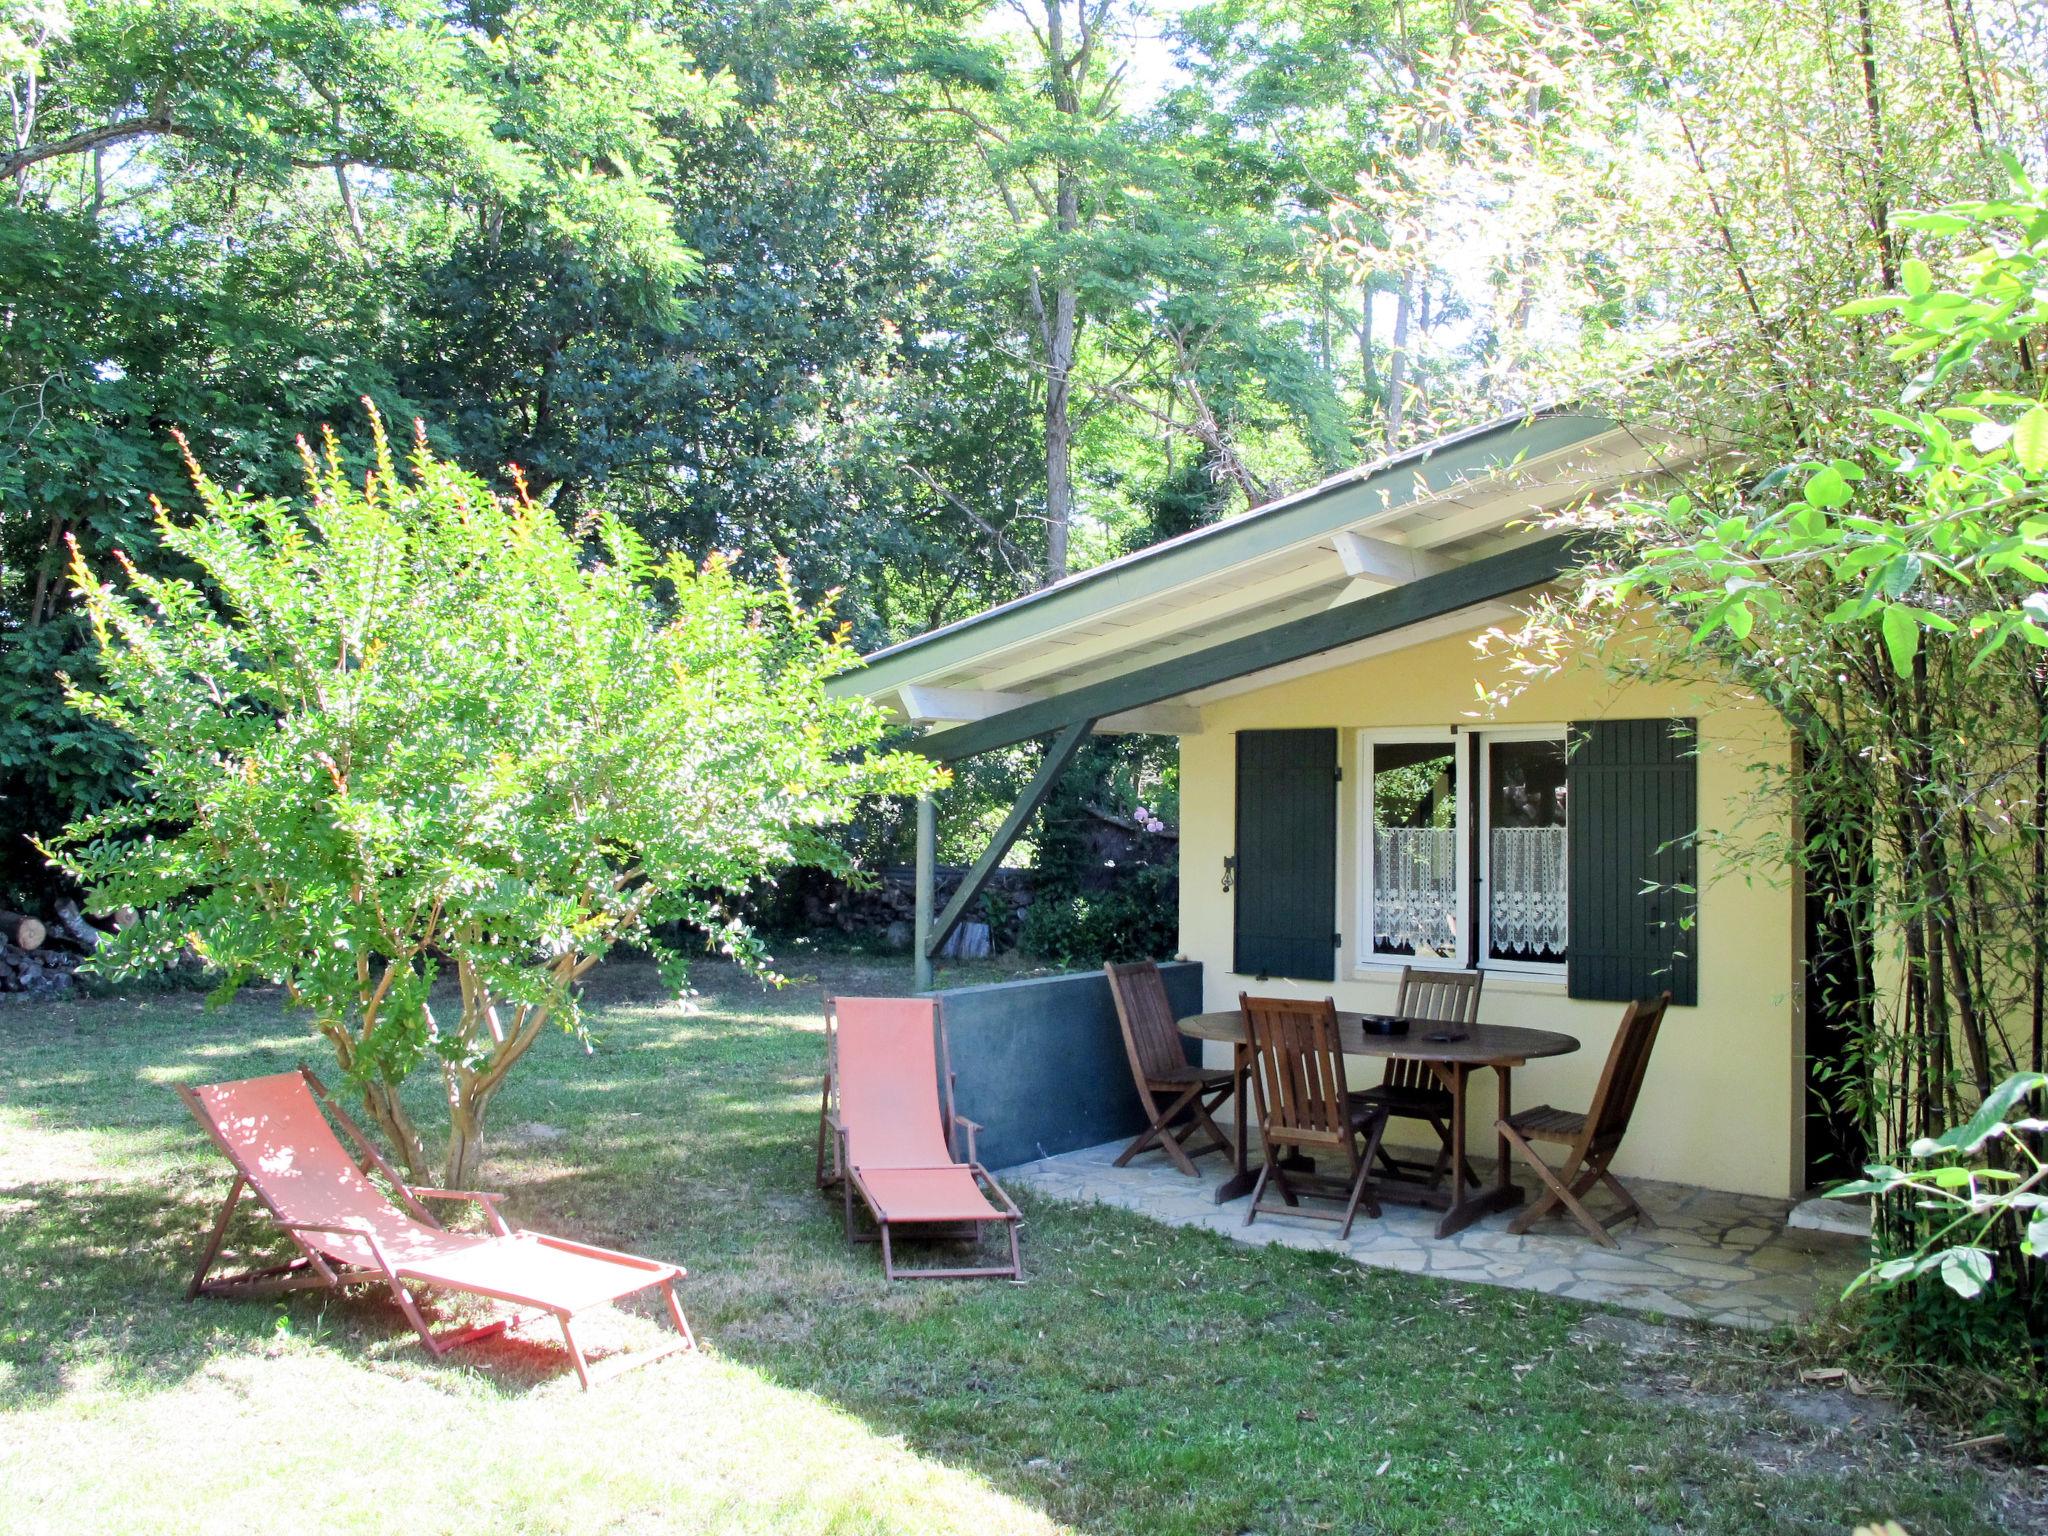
(211, 211)
(1864, 553)
(1892, 592)
(1292, 105)
(1863, 550)
(430, 732)
(1048, 132)
(815, 367)
(536, 111)
(104, 347)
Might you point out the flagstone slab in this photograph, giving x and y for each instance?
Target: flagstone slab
(1726, 1258)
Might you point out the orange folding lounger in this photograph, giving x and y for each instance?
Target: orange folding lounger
(285, 1152)
(895, 1144)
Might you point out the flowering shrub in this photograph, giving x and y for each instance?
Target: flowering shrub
(411, 731)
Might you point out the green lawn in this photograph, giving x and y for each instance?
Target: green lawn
(1143, 1380)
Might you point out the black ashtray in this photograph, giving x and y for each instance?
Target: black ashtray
(1383, 1024)
(1446, 1036)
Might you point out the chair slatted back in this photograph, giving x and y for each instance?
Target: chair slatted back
(1297, 1071)
(1152, 1039)
(886, 1072)
(1446, 997)
(1621, 1081)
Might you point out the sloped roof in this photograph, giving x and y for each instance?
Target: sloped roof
(1429, 511)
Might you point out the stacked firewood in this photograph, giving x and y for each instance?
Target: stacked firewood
(38, 955)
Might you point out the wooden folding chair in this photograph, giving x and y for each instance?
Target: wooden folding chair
(1160, 1067)
(1304, 1108)
(1411, 1090)
(1593, 1138)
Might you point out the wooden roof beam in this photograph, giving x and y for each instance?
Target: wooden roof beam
(1375, 564)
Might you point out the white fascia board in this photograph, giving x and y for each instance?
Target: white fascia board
(922, 705)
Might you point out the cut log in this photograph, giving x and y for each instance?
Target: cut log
(21, 931)
(76, 930)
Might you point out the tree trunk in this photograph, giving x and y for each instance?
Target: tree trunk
(1873, 111)
(71, 925)
(1397, 364)
(1325, 358)
(1059, 430)
(1067, 70)
(469, 1090)
(465, 1137)
(381, 1100)
(2037, 896)
(1368, 370)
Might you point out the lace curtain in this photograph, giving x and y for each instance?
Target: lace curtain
(1414, 889)
(1527, 902)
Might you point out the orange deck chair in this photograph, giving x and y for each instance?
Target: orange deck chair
(895, 1145)
(285, 1153)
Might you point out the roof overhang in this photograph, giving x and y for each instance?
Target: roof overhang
(1391, 552)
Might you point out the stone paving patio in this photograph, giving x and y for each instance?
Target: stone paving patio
(1718, 1258)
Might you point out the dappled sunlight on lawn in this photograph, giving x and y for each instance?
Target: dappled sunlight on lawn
(32, 1150)
(1144, 1379)
(688, 1444)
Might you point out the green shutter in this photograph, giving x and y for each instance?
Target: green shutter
(1286, 879)
(1634, 817)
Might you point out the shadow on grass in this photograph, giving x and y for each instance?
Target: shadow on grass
(101, 1273)
(1145, 1378)
(92, 1270)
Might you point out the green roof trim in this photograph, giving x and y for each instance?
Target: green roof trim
(1477, 581)
(1404, 479)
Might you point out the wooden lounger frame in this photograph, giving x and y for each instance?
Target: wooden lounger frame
(313, 1270)
(832, 1133)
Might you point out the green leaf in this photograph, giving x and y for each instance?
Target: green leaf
(1901, 575)
(1989, 436)
(2030, 440)
(1901, 638)
(1935, 223)
(1827, 487)
(1991, 1115)
(1966, 1270)
(1916, 276)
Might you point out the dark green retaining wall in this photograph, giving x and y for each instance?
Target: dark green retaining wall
(1040, 1064)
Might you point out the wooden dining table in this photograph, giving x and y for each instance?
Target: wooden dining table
(1458, 1051)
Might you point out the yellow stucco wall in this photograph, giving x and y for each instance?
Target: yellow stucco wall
(1722, 1103)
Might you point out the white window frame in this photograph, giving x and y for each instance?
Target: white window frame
(1482, 807)
(1421, 735)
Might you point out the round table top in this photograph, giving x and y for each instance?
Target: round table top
(1487, 1045)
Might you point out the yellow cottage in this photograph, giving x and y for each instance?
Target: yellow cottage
(1351, 804)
